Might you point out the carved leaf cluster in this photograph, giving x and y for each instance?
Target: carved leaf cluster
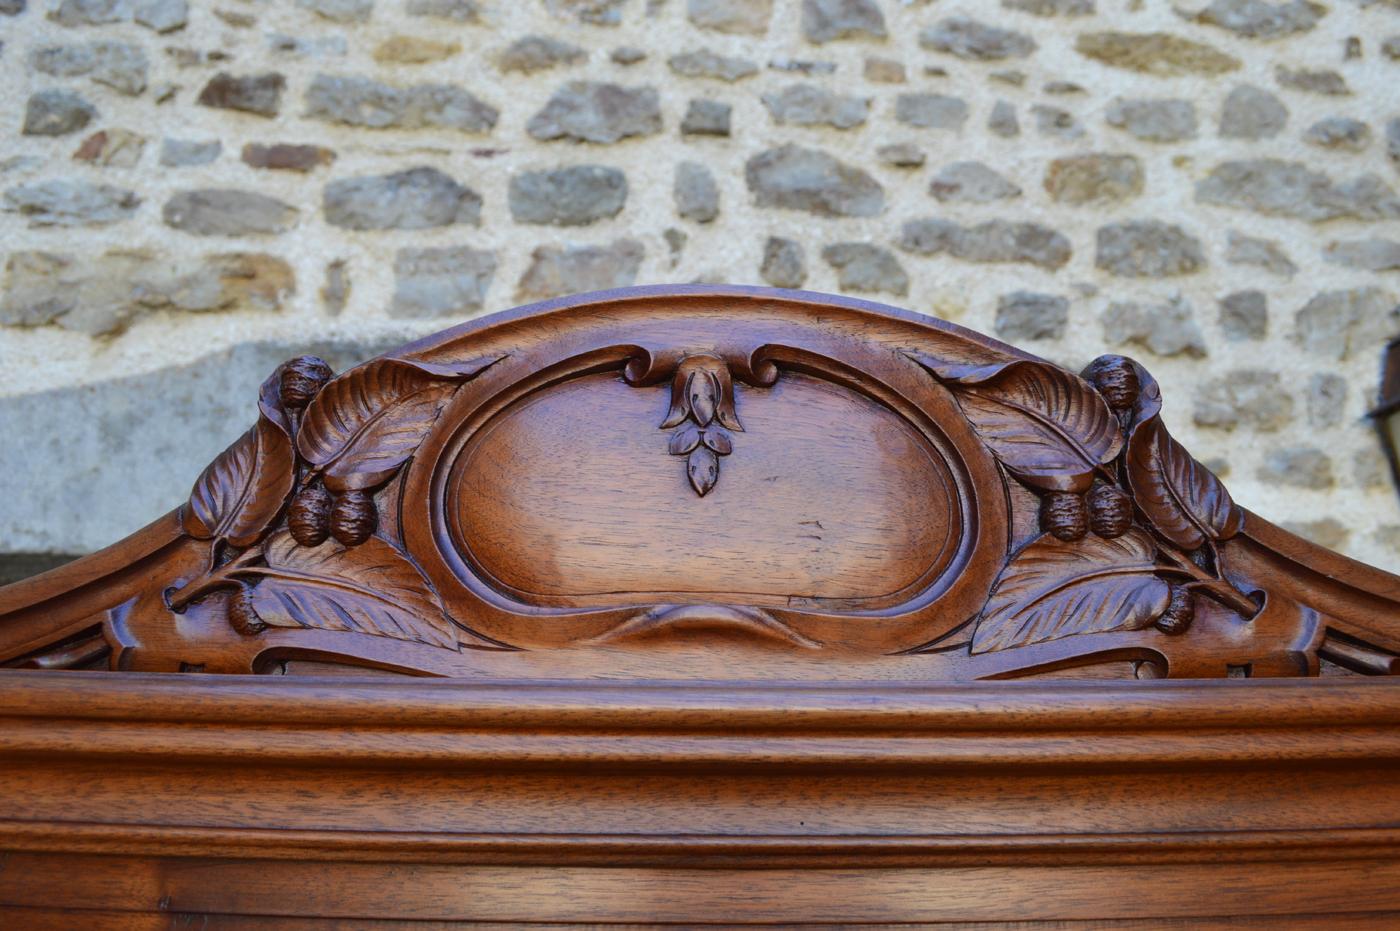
(1058, 434)
(354, 435)
(698, 408)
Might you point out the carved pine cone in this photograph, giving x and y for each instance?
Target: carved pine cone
(1110, 511)
(353, 518)
(241, 615)
(1064, 516)
(1180, 612)
(302, 377)
(1116, 379)
(309, 517)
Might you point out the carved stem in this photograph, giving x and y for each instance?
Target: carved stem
(223, 576)
(1219, 589)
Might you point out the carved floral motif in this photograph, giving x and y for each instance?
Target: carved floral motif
(702, 410)
(1096, 450)
(326, 444)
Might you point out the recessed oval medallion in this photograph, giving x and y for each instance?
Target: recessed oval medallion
(826, 499)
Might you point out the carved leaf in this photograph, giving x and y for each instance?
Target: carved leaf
(1046, 425)
(241, 491)
(718, 439)
(365, 424)
(703, 469)
(369, 589)
(270, 401)
(1052, 589)
(702, 391)
(684, 440)
(1184, 500)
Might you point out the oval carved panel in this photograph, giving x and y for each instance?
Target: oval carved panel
(827, 499)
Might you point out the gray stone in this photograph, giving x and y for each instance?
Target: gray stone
(1327, 83)
(697, 195)
(1392, 141)
(930, 111)
(865, 268)
(558, 270)
(1290, 189)
(783, 264)
(1327, 400)
(976, 41)
(1297, 467)
(809, 105)
(992, 241)
(1339, 132)
(16, 567)
(627, 55)
(308, 46)
(372, 104)
(706, 64)
(884, 70)
(1002, 120)
(224, 212)
(590, 111)
(1096, 178)
(119, 65)
(112, 148)
(83, 445)
(1163, 329)
(1147, 249)
(1390, 48)
(1244, 315)
(795, 178)
(743, 17)
(335, 293)
(1056, 121)
(1156, 53)
(593, 12)
(573, 196)
(1370, 470)
(182, 153)
(254, 93)
(1261, 253)
(1334, 323)
(1051, 7)
(457, 11)
(1251, 112)
(529, 54)
(161, 15)
(1259, 19)
(706, 118)
(801, 65)
(440, 282)
(340, 11)
(1372, 255)
(419, 198)
(1156, 120)
(901, 155)
(103, 295)
(91, 12)
(825, 20)
(1253, 398)
(971, 183)
(12, 7)
(1026, 315)
(56, 113)
(64, 202)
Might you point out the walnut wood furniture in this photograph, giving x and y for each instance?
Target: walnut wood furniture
(702, 605)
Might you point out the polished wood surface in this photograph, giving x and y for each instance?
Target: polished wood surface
(701, 605)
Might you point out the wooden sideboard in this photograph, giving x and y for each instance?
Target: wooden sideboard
(702, 605)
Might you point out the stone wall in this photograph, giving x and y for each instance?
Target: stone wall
(192, 192)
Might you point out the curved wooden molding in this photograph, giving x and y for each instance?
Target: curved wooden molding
(867, 494)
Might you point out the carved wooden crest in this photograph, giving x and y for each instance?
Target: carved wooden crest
(718, 483)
